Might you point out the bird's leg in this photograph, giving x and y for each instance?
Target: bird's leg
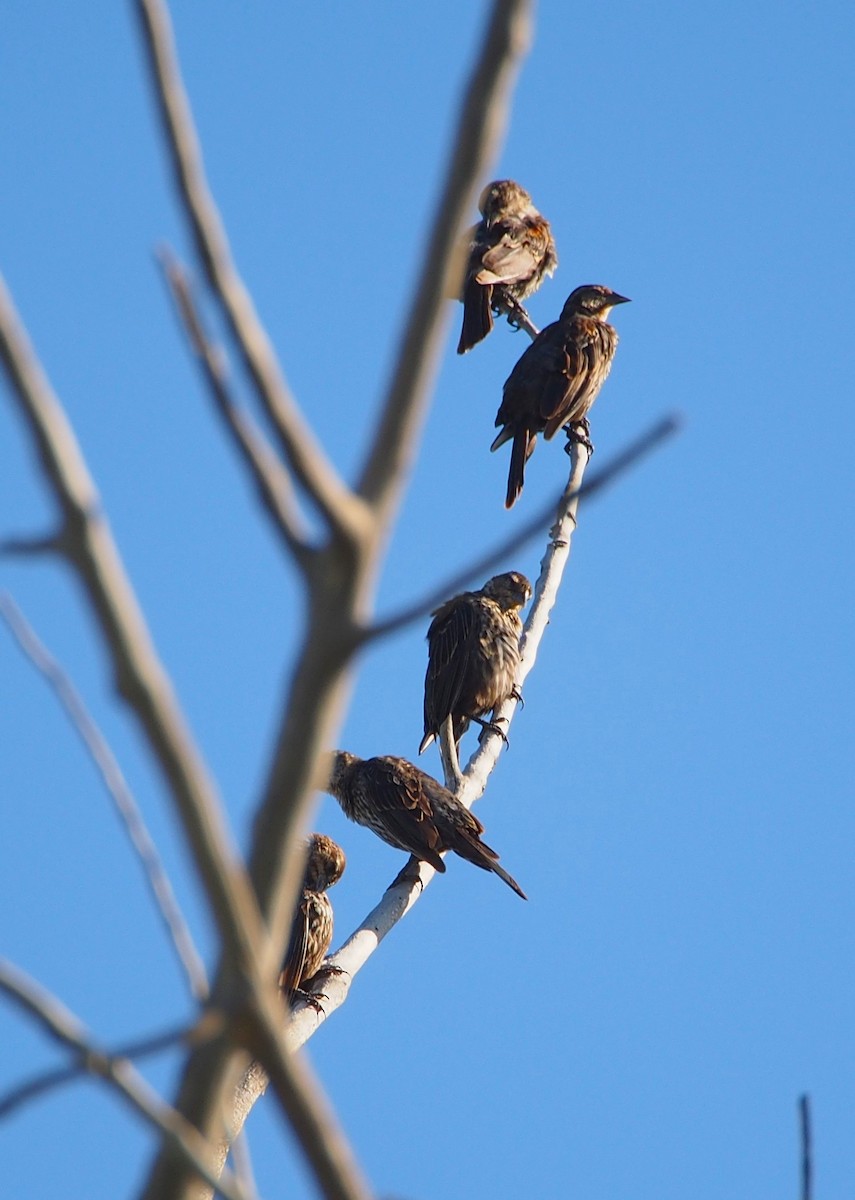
(313, 999)
(579, 433)
(517, 317)
(517, 695)
(409, 873)
(492, 727)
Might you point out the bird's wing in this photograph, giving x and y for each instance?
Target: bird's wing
(405, 809)
(514, 256)
(569, 391)
(295, 955)
(451, 637)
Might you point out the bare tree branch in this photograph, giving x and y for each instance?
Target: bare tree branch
(639, 448)
(806, 1139)
(242, 1161)
(272, 481)
(118, 789)
(342, 574)
(140, 678)
(480, 130)
(242, 987)
(315, 473)
(46, 1081)
(179, 1137)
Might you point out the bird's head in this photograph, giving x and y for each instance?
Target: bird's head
(325, 863)
(511, 590)
(592, 300)
(335, 768)
(502, 197)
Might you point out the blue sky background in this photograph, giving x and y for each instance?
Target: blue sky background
(677, 800)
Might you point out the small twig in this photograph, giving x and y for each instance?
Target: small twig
(243, 1165)
(806, 1147)
(117, 787)
(272, 481)
(179, 1135)
(32, 547)
(610, 473)
(47, 1081)
(312, 469)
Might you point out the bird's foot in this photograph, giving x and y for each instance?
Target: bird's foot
(579, 434)
(313, 999)
(493, 727)
(408, 874)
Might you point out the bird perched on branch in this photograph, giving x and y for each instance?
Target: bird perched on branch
(511, 250)
(473, 655)
(312, 928)
(557, 379)
(411, 811)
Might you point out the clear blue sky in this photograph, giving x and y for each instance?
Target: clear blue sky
(677, 800)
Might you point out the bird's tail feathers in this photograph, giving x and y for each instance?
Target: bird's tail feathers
(426, 741)
(487, 859)
(477, 317)
(523, 447)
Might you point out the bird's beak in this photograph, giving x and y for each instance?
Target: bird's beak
(616, 298)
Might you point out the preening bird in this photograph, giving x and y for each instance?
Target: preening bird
(557, 379)
(511, 250)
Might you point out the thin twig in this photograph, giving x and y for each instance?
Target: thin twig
(179, 1136)
(480, 129)
(600, 480)
(47, 1081)
(806, 1139)
(117, 787)
(242, 1160)
(272, 481)
(310, 465)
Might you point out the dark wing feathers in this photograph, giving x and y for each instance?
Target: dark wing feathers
(406, 811)
(295, 955)
(451, 636)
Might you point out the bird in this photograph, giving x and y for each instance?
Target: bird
(510, 251)
(557, 379)
(473, 655)
(312, 928)
(411, 811)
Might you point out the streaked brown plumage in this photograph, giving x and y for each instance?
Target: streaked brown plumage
(312, 928)
(557, 379)
(511, 250)
(473, 654)
(411, 811)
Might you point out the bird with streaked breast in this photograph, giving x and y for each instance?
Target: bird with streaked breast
(411, 811)
(557, 379)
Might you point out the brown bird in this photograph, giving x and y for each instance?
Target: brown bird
(411, 811)
(510, 252)
(473, 655)
(312, 928)
(557, 379)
